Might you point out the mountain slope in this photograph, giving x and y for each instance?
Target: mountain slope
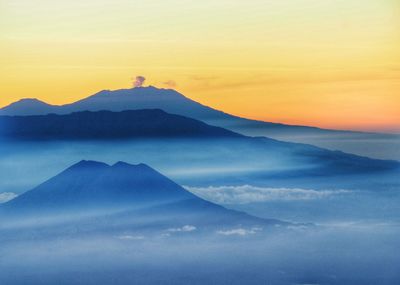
(107, 125)
(119, 100)
(95, 184)
(28, 106)
(190, 151)
(175, 103)
(121, 194)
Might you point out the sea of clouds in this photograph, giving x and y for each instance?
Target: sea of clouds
(249, 194)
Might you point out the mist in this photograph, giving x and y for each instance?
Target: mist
(205, 164)
(336, 254)
(192, 162)
(381, 146)
(340, 229)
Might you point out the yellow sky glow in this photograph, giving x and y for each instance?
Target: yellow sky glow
(331, 63)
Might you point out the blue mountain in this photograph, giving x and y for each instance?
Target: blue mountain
(107, 125)
(150, 97)
(304, 160)
(121, 194)
(96, 184)
(175, 103)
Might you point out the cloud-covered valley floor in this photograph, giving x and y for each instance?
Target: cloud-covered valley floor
(355, 212)
(335, 254)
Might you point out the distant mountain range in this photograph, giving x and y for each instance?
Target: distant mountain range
(193, 145)
(124, 196)
(175, 103)
(107, 125)
(154, 98)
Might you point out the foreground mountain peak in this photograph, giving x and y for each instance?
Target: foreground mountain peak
(88, 163)
(92, 184)
(125, 164)
(118, 166)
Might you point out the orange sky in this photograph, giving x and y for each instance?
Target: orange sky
(331, 63)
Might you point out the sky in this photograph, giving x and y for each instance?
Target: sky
(331, 63)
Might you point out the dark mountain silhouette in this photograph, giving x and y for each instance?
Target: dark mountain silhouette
(168, 100)
(121, 192)
(119, 100)
(107, 125)
(150, 97)
(175, 103)
(96, 184)
(226, 147)
(28, 106)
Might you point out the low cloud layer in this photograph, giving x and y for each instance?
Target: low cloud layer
(249, 194)
(7, 196)
(239, 231)
(186, 228)
(130, 237)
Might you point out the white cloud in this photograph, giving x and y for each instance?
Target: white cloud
(249, 194)
(186, 228)
(130, 237)
(239, 231)
(7, 196)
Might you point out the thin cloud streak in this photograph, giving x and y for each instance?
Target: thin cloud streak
(251, 194)
(7, 196)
